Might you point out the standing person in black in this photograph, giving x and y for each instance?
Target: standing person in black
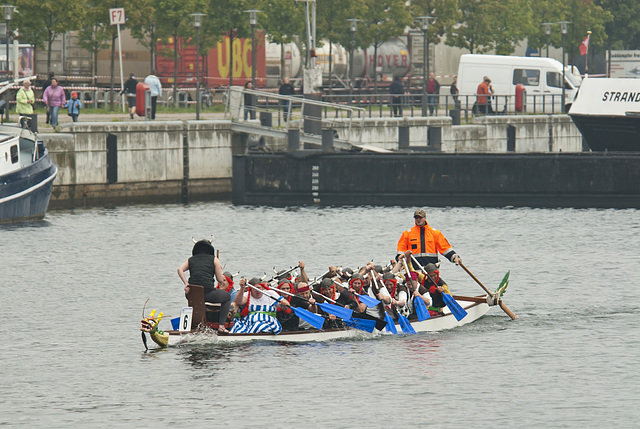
(453, 90)
(286, 89)
(45, 85)
(396, 90)
(249, 105)
(130, 89)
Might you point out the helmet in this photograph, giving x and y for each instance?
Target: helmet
(388, 276)
(347, 272)
(378, 268)
(254, 281)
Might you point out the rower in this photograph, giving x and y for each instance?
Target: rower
(259, 313)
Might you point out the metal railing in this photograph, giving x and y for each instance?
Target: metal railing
(308, 115)
(419, 105)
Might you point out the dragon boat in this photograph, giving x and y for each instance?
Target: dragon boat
(195, 327)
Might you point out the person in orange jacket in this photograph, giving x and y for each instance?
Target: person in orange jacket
(425, 242)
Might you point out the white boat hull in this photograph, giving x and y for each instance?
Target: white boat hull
(433, 324)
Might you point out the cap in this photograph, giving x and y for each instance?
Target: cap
(388, 276)
(254, 281)
(414, 275)
(420, 213)
(326, 283)
(430, 268)
(74, 94)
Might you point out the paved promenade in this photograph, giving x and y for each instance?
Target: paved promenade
(63, 118)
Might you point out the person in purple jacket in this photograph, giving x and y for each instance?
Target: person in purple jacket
(54, 98)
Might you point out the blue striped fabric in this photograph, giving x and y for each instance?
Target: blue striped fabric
(257, 322)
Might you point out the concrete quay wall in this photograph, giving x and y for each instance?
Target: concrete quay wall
(173, 161)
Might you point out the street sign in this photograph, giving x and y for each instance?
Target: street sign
(116, 16)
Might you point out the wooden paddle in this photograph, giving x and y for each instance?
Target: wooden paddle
(503, 306)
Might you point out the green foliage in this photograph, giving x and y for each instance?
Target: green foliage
(624, 28)
(41, 21)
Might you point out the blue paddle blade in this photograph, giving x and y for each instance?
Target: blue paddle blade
(336, 310)
(312, 319)
(405, 325)
(457, 311)
(368, 301)
(362, 324)
(421, 309)
(391, 327)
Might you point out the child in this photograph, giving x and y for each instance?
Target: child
(74, 105)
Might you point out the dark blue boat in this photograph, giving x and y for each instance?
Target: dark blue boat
(26, 175)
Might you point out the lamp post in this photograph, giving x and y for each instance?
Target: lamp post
(425, 60)
(547, 31)
(563, 29)
(425, 46)
(8, 9)
(253, 21)
(197, 21)
(352, 46)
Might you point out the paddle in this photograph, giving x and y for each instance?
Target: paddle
(391, 326)
(144, 337)
(309, 317)
(380, 324)
(456, 309)
(355, 320)
(418, 303)
(503, 306)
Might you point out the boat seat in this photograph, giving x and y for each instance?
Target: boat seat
(195, 299)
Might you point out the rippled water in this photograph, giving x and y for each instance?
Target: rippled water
(73, 288)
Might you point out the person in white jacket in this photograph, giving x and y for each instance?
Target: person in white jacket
(155, 88)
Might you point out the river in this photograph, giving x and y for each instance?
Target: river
(73, 288)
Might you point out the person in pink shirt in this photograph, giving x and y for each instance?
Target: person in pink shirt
(54, 98)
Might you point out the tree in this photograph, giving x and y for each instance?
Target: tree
(174, 23)
(41, 21)
(332, 24)
(229, 18)
(383, 19)
(446, 15)
(282, 21)
(491, 25)
(623, 30)
(142, 22)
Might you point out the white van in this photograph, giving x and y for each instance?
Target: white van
(541, 78)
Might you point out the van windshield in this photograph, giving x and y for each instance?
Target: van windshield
(554, 80)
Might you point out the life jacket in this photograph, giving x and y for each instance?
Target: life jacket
(424, 241)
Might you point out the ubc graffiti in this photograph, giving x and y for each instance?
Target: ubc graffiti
(241, 58)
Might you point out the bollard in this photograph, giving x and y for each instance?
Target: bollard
(327, 140)
(266, 119)
(293, 139)
(403, 137)
(455, 116)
